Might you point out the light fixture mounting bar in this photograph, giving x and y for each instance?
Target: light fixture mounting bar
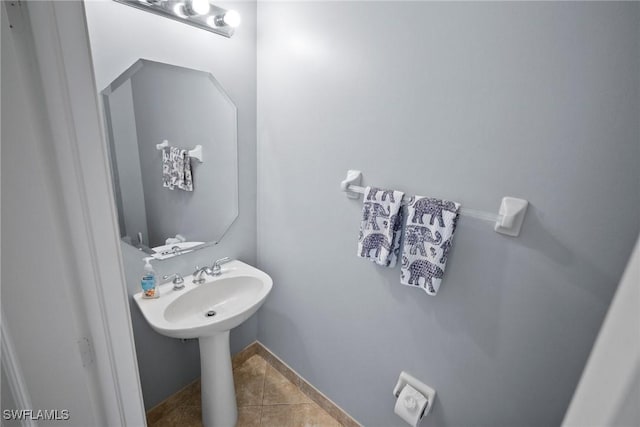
(177, 10)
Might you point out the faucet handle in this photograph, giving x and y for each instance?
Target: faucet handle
(178, 281)
(221, 261)
(216, 265)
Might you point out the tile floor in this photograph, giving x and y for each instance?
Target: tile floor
(265, 398)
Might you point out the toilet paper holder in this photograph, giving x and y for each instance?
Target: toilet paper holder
(427, 391)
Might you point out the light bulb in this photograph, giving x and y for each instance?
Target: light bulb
(178, 9)
(197, 7)
(232, 18)
(211, 21)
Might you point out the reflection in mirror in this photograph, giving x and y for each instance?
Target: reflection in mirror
(172, 135)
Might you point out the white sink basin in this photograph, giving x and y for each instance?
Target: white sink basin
(233, 296)
(207, 312)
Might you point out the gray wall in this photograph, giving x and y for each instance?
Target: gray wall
(7, 401)
(119, 36)
(465, 101)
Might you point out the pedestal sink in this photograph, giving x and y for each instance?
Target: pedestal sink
(208, 312)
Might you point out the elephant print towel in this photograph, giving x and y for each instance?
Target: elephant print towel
(176, 169)
(380, 227)
(427, 240)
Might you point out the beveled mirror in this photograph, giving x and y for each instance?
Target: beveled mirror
(154, 111)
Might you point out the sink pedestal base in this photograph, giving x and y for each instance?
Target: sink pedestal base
(218, 392)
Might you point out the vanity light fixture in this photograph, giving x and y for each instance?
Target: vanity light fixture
(199, 13)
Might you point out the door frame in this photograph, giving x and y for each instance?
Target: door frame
(62, 50)
(609, 385)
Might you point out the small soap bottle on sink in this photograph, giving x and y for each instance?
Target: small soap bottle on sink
(149, 284)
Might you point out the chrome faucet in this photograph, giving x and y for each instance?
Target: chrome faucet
(200, 271)
(215, 269)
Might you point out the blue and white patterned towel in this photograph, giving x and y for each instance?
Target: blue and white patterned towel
(176, 169)
(426, 244)
(380, 227)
